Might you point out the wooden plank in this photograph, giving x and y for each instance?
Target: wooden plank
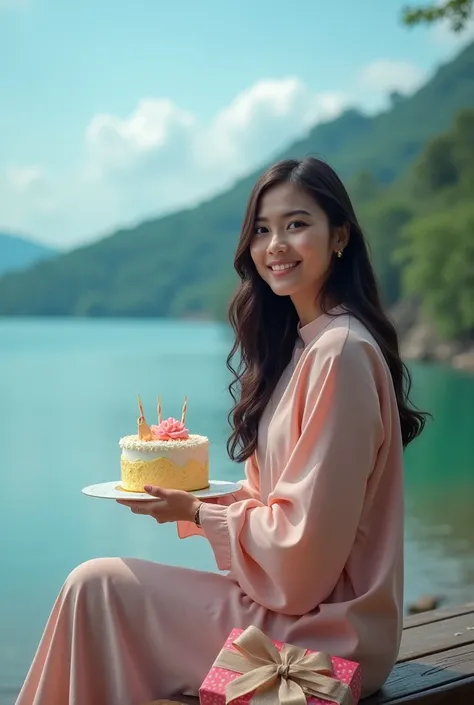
(458, 693)
(431, 674)
(436, 636)
(437, 615)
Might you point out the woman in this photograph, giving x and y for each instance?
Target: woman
(313, 544)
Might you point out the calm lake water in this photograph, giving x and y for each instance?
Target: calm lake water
(67, 393)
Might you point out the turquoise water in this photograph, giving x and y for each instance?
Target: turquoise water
(67, 393)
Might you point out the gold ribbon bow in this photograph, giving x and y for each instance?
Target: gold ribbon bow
(286, 677)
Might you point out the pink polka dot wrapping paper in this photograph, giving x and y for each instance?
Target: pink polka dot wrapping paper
(213, 688)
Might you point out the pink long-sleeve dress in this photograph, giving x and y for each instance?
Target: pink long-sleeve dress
(313, 548)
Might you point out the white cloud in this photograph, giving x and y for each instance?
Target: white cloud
(263, 119)
(118, 144)
(383, 76)
(158, 140)
(160, 157)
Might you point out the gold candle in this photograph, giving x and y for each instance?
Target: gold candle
(183, 413)
(160, 418)
(144, 431)
(140, 408)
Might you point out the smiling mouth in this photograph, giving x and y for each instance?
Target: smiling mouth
(283, 268)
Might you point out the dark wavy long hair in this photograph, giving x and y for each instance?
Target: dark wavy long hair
(265, 324)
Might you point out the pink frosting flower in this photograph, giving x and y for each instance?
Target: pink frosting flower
(170, 430)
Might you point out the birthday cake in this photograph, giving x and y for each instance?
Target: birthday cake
(165, 455)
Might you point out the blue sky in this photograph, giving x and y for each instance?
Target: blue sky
(113, 111)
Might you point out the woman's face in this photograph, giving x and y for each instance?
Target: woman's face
(293, 246)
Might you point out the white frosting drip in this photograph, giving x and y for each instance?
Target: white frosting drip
(133, 443)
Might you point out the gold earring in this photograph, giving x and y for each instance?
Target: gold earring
(339, 254)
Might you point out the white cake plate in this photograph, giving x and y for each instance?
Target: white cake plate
(113, 490)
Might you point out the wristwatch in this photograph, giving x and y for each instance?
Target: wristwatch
(196, 515)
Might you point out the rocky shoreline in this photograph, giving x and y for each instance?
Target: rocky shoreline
(419, 341)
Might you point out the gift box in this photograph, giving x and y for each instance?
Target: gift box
(251, 668)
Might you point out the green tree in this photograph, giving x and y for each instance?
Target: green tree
(436, 168)
(457, 12)
(383, 220)
(437, 250)
(463, 152)
(438, 255)
(447, 162)
(364, 187)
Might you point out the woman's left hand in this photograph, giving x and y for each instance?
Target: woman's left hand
(172, 505)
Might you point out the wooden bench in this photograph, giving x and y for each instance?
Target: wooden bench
(435, 664)
(436, 661)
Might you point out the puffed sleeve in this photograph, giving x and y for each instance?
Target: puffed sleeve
(250, 488)
(289, 553)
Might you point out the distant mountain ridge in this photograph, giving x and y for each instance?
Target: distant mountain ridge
(18, 253)
(181, 264)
